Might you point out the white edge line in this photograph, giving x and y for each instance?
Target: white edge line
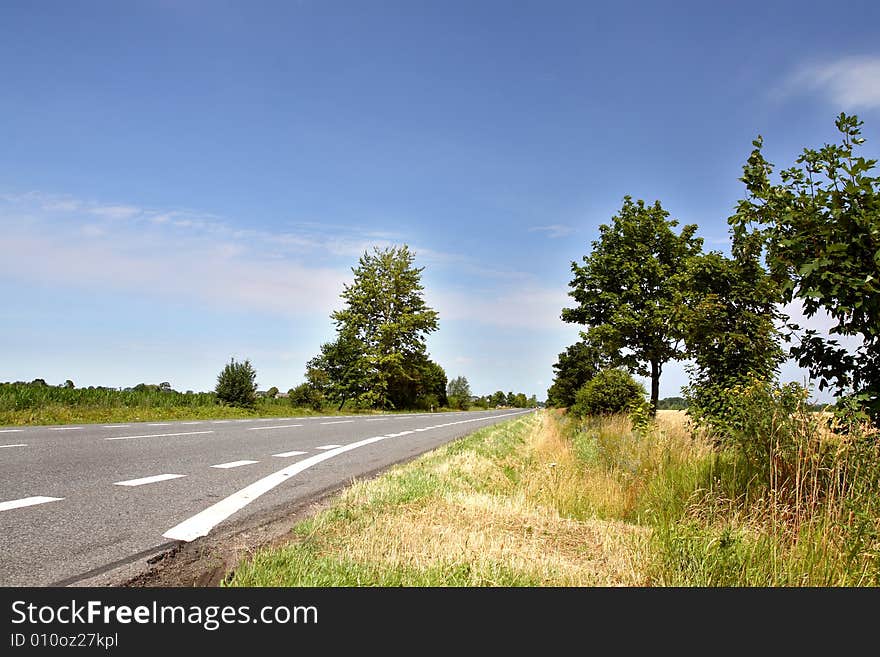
(203, 522)
(17, 445)
(11, 430)
(27, 501)
(339, 422)
(284, 426)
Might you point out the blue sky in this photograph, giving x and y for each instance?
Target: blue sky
(181, 182)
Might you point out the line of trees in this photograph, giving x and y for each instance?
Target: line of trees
(647, 294)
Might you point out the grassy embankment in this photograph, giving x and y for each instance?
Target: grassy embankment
(35, 405)
(543, 500)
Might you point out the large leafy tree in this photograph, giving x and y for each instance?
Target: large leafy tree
(629, 288)
(821, 227)
(458, 391)
(729, 325)
(576, 365)
(379, 356)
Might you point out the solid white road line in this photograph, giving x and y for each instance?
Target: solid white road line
(339, 422)
(159, 435)
(220, 421)
(203, 522)
(328, 446)
(234, 464)
(64, 428)
(182, 423)
(27, 501)
(116, 426)
(284, 455)
(11, 430)
(159, 424)
(18, 445)
(377, 419)
(283, 426)
(148, 480)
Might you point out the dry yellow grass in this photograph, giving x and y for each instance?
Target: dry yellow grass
(508, 520)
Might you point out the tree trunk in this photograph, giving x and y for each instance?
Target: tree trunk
(655, 386)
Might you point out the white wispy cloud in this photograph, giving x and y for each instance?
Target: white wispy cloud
(553, 230)
(203, 258)
(848, 82)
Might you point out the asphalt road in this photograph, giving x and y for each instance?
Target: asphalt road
(76, 498)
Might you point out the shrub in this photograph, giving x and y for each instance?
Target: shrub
(236, 384)
(306, 395)
(272, 392)
(610, 391)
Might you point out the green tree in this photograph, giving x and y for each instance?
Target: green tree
(272, 392)
(821, 228)
(459, 393)
(610, 391)
(729, 329)
(69, 384)
(236, 384)
(387, 318)
(306, 395)
(345, 373)
(630, 287)
(497, 398)
(520, 400)
(576, 365)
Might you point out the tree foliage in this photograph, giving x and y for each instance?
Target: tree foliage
(236, 384)
(630, 287)
(821, 228)
(379, 357)
(458, 392)
(575, 366)
(610, 391)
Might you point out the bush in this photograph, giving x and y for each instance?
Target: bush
(236, 384)
(272, 392)
(610, 391)
(306, 396)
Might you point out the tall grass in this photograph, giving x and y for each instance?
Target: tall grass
(807, 514)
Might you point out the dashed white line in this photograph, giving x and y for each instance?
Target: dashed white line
(27, 501)
(233, 464)
(187, 423)
(328, 446)
(64, 428)
(377, 419)
(148, 480)
(16, 445)
(284, 455)
(116, 426)
(281, 426)
(11, 430)
(160, 424)
(220, 421)
(339, 422)
(159, 435)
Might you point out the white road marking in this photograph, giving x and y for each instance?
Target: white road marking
(377, 419)
(234, 464)
(116, 426)
(284, 455)
(328, 446)
(11, 430)
(27, 501)
(220, 421)
(339, 422)
(192, 423)
(64, 428)
(281, 426)
(202, 523)
(159, 424)
(159, 435)
(18, 445)
(148, 480)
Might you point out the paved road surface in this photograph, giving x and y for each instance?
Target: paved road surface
(74, 499)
